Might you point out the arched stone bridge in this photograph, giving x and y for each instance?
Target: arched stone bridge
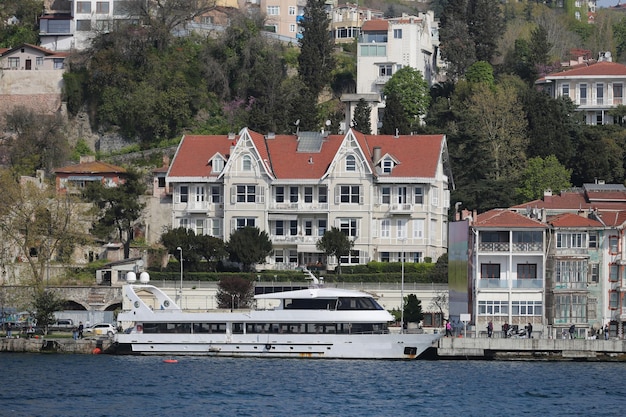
(96, 298)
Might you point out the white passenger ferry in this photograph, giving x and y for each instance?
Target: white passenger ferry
(316, 322)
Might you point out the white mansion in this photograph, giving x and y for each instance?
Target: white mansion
(390, 194)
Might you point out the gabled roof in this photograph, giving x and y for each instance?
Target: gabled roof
(573, 220)
(590, 197)
(193, 154)
(599, 69)
(504, 218)
(47, 52)
(419, 156)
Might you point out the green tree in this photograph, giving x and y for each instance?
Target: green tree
(249, 246)
(543, 174)
(412, 309)
(316, 62)
(38, 223)
(235, 292)
(411, 89)
(485, 23)
(457, 47)
(480, 72)
(361, 120)
(117, 209)
(394, 120)
(46, 302)
(185, 239)
(335, 243)
(26, 28)
(600, 155)
(212, 249)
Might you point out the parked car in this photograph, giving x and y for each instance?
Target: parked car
(101, 329)
(62, 325)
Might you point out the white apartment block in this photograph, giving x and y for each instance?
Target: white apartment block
(385, 46)
(388, 194)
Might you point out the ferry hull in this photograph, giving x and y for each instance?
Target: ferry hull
(383, 346)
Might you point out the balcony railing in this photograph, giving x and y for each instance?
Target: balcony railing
(570, 285)
(299, 206)
(497, 283)
(504, 247)
(309, 240)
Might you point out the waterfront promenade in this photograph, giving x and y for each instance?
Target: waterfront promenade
(531, 349)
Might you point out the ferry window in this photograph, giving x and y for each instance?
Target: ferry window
(237, 328)
(357, 303)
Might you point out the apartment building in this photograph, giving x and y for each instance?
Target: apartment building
(554, 262)
(390, 194)
(347, 20)
(385, 46)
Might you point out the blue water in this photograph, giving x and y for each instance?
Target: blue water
(103, 385)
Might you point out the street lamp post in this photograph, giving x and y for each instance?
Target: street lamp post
(402, 293)
(180, 251)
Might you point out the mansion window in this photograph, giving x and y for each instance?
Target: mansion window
(246, 193)
(183, 194)
(352, 258)
(308, 194)
(292, 10)
(217, 164)
(397, 33)
(273, 10)
(280, 194)
(599, 93)
(385, 193)
(199, 193)
(490, 271)
(350, 163)
(571, 271)
(216, 195)
(308, 227)
(565, 90)
(571, 240)
(593, 240)
(419, 195)
(14, 63)
(618, 93)
(613, 245)
(321, 227)
(322, 196)
(242, 222)
(246, 163)
(526, 308)
(434, 197)
(83, 25)
(418, 228)
(348, 227)
(199, 227)
(58, 63)
(216, 227)
(350, 194)
(293, 194)
(385, 228)
(594, 273)
(570, 308)
(582, 91)
(387, 165)
(613, 300)
(402, 195)
(401, 229)
(279, 230)
(614, 273)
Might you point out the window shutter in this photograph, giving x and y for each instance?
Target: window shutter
(260, 194)
(233, 194)
(337, 194)
(374, 232)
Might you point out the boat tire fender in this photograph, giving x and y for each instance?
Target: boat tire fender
(268, 346)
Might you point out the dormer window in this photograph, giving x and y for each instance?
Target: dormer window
(247, 163)
(218, 164)
(387, 165)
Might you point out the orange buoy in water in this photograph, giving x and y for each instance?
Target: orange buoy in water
(170, 361)
(96, 351)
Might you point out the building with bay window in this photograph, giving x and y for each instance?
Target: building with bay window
(390, 194)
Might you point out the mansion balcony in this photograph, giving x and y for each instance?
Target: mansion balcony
(598, 103)
(577, 285)
(199, 207)
(497, 283)
(287, 207)
(506, 247)
(296, 240)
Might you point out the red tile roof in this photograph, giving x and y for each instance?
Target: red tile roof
(503, 218)
(194, 152)
(598, 69)
(418, 156)
(375, 25)
(578, 200)
(573, 220)
(95, 167)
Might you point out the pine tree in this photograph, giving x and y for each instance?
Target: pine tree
(316, 62)
(361, 121)
(394, 117)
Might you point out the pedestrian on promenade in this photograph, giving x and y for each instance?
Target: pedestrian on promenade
(75, 333)
(9, 329)
(572, 329)
(505, 329)
(448, 328)
(529, 330)
(80, 329)
(606, 331)
(489, 329)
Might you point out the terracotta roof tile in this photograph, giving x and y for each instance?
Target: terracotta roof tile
(593, 70)
(377, 25)
(194, 151)
(503, 218)
(573, 220)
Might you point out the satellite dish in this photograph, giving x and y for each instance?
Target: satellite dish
(131, 277)
(144, 277)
